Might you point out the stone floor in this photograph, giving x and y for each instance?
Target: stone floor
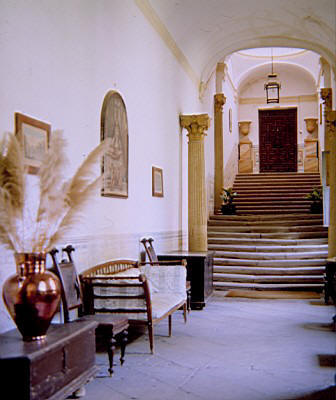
(234, 349)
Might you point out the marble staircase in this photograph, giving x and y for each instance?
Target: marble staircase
(273, 243)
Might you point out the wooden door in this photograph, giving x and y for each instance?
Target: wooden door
(278, 140)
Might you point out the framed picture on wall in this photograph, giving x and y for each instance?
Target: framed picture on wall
(300, 157)
(157, 182)
(34, 136)
(230, 120)
(115, 161)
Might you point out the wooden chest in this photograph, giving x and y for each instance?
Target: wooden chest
(51, 369)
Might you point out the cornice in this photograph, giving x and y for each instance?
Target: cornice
(285, 56)
(283, 99)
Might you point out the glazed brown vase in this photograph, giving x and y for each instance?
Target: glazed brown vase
(32, 295)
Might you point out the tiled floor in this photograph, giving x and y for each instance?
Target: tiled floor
(234, 349)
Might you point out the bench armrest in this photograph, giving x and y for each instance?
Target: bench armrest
(166, 279)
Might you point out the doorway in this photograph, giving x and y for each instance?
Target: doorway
(278, 140)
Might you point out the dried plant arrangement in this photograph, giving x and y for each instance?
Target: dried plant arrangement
(37, 224)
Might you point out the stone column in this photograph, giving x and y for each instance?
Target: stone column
(196, 126)
(219, 101)
(331, 128)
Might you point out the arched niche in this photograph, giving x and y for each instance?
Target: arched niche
(114, 125)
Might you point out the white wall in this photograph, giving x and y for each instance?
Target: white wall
(58, 60)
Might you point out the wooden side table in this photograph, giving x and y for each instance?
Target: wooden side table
(50, 369)
(199, 273)
(330, 284)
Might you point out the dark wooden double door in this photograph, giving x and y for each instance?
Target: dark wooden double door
(278, 140)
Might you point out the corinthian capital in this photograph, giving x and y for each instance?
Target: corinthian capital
(219, 101)
(326, 95)
(195, 124)
(331, 121)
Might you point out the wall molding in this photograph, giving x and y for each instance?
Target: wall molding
(285, 99)
(91, 250)
(152, 17)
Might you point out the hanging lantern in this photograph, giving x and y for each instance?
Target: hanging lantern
(272, 87)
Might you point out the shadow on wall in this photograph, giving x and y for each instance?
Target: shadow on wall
(325, 394)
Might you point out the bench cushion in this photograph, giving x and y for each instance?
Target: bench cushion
(162, 303)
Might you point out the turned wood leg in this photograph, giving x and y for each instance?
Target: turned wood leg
(81, 392)
(110, 352)
(124, 340)
(185, 312)
(151, 337)
(169, 325)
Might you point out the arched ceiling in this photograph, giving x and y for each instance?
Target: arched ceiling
(256, 64)
(207, 31)
(261, 71)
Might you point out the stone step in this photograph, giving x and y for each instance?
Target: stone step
(274, 263)
(266, 229)
(306, 222)
(267, 249)
(266, 242)
(261, 174)
(274, 217)
(269, 211)
(269, 286)
(285, 185)
(273, 207)
(268, 279)
(271, 193)
(266, 222)
(270, 176)
(280, 180)
(264, 235)
(273, 200)
(318, 270)
(271, 256)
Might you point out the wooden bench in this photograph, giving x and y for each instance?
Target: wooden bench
(145, 294)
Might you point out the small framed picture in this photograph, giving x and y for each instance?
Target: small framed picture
(34, 136)
(157, 182)
(230, 120)
(300, 157)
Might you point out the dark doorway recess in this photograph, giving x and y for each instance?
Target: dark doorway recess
(278, 140)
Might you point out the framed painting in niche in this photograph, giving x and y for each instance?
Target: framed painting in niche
(157, 182)
(34, 136)
(115, 161)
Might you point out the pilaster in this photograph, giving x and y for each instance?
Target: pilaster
(326, 96)
(331, 127)
(219, 101)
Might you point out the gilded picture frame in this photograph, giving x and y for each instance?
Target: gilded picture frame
(115, 161)
(157, 182)
(34, 136)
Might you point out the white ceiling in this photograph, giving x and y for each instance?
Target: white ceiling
(207, 31)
